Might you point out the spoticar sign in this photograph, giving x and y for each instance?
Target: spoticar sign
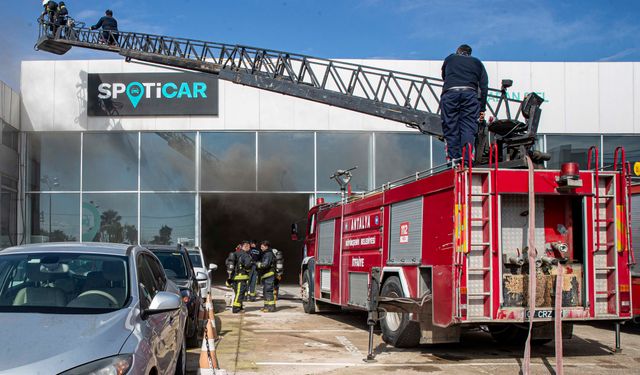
(152, 94)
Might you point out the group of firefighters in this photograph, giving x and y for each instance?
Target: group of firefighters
(247, 266)
(57, 15)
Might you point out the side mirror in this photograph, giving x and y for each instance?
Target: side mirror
(213, 267)
(294, 232)
(163, 302)
(201, 276)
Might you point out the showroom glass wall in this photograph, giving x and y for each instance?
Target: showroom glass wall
(145, 186)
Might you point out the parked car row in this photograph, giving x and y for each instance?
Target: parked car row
(80, 308)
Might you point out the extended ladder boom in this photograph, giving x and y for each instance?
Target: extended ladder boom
(407, 98)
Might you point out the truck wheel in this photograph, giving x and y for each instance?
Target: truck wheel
(397, 328)
(308, 302)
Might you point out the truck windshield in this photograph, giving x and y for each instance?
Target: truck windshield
(63, 283)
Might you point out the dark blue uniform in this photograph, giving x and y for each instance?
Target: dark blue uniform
(267, 269)
(109, 27)
(256, 255)
(241, 279)
(464, 96)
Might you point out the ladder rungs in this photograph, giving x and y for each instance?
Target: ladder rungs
(482, 294)
(482, 219)
(606, 196)
(479, 194)
(479, 269)
(605, 268)
(604, 220)
(480, 244)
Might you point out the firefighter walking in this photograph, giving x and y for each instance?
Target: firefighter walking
(267, 271)
(238, 269)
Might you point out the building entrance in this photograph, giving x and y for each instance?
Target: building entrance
(227, 219)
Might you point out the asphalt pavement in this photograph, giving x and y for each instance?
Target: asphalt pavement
(292, 342)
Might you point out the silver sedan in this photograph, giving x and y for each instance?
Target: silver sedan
(88, 309)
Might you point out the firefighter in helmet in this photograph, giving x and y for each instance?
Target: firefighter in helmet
(256, 255)
(50, 9)
(238, 268)
(279, 271)
(267, 269)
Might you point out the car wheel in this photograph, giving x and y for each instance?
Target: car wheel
(397, 328)
(308, 302)
(181, 366)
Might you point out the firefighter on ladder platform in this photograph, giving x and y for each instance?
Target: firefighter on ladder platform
(267, 269)
(238, 268)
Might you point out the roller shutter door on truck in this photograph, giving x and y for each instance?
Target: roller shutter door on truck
(326, 242)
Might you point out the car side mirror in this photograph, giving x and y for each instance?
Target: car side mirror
(163, 302)
(294, 232)
(201, 276)
(213, 266)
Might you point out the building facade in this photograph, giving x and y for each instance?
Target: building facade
(9, 165)
(142, 170)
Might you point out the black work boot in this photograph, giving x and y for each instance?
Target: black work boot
(236, 310)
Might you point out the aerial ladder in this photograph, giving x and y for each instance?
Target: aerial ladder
(410, 99)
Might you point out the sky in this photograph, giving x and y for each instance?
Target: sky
(498, 30)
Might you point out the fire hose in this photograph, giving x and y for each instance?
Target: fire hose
(532, 253)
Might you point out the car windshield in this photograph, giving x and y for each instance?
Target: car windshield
(63, 282)
(173, 264)
(196, 260)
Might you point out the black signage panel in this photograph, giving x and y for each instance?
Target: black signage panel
(152, 94)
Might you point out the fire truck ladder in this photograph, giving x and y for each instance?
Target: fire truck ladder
(604, 247)
(407, 98)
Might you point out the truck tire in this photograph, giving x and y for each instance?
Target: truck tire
(308, 302)
(397, 328)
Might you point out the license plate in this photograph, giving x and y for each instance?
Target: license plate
(541, 314)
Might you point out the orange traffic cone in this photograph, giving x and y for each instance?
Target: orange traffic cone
(208, 360)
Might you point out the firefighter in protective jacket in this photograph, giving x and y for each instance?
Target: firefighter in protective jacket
(267, 270)
(238, 269)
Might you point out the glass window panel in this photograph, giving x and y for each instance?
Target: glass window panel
(228, 161)
(110, 161)
(569, 148)
(439, 152)
(399, 155)
(166, 219)
(344, 151)
(8, 218)
(54, 161)
(167, 161)
(54, 217)
(285, 161)
(10, 137)
(631, 146)
(110, 218)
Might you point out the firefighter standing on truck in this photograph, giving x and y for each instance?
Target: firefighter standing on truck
(463, 101)
(256, 254)
(267, 270)
(238, 268)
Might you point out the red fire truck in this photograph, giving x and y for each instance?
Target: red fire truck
(448, 249)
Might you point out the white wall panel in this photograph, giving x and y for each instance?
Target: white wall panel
(70, 95)
(548, 80)
(15, 110)
(616, 97)
(37, 86)
(242, 107)
(276, 111)
(582, 98)
(308, 115)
